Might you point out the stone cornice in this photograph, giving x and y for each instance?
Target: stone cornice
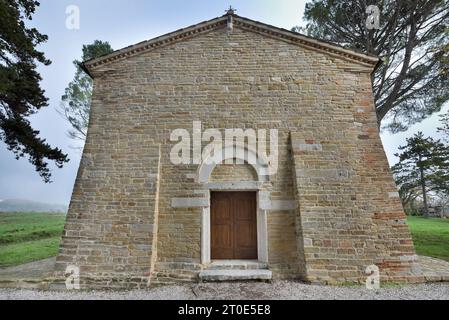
(239, 22)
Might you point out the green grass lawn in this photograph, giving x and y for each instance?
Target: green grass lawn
(431, 236)
(29, 236)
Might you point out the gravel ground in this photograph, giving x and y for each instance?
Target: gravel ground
(287, 290)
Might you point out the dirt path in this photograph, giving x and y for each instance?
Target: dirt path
(33, 270)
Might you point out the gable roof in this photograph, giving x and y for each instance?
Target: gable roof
(240, 22)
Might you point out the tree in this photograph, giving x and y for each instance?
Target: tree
(20, 91)
(412, 82)
(445, 126)
(442, 202)
(422, 168)
(408, 183)
(75, 104)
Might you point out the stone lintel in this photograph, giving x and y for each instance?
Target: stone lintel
(189, 202)
(237, 186)
(275, 205)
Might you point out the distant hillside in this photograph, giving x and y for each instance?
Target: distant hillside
(17, 205)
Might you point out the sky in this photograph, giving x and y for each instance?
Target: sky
(123, 23)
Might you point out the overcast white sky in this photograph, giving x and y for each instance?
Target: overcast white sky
(123, 23)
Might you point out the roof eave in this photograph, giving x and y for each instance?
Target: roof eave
(83, 67)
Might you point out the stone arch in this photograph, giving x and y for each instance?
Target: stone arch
(258, 161)
(233, 172)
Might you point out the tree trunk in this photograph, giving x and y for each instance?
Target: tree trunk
(424, 192)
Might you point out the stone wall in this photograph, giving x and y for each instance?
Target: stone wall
(122, 218)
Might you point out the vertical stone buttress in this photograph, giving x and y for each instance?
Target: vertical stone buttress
(111, 227)
(350, 215)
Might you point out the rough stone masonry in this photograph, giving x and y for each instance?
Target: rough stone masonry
(331, 209)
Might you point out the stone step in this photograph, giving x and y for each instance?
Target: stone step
(237, 265)
(234, 275)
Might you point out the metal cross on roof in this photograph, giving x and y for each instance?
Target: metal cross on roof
(231, 10)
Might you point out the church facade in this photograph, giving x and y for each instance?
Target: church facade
(311, 199)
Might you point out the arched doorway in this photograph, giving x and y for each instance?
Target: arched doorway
(239, 223)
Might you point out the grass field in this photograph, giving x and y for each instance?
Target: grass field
(431, 236)
(26, 237)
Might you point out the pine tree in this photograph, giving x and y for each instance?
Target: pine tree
(20, 91)
(422, 168)
(444, 129)
(412, 82)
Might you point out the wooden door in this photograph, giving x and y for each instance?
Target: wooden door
(233, 225)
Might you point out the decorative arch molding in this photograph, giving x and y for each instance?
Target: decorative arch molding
(258, 161)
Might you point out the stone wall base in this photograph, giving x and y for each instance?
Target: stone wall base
(180, 277)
